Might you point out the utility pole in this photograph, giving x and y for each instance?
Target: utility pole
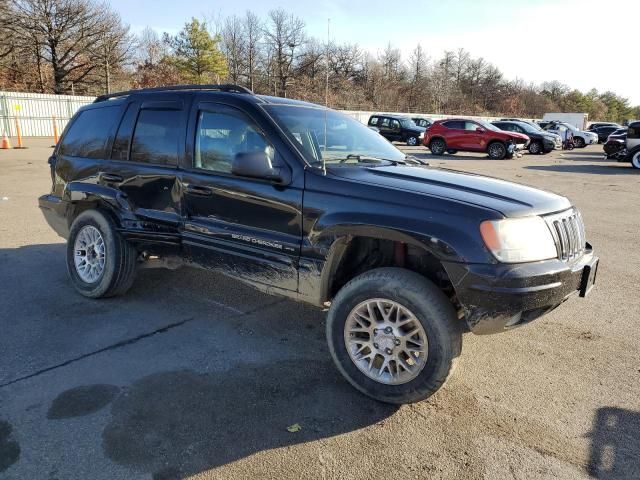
(107, 73)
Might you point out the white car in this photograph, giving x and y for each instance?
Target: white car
(580, 137)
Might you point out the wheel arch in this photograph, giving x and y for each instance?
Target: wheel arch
(351, 254)
(82, 196)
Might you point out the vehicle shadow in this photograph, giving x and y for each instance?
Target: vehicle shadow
(615, 444)
(428, 156)
(614, 169)
(174, 422)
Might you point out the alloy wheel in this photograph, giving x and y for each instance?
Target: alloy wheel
(89, 254)
(386, 341)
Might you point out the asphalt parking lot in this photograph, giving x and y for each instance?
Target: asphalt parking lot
(192, 375)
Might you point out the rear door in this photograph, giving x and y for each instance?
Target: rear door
(454, 134)
(144, 162)
(246, 227)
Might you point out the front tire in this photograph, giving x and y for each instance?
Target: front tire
(535, 148)
(497, 150)
(393, 335)
(635, 159)
(437, 146)
(100, 262)
(580, 143)
(412, 141)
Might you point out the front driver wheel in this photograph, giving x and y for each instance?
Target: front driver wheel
(100, 262)
(580, 143)
(393, 335)
(497, 150)
(535, 148)
(635, 160)
(412, 141)
(437, 146)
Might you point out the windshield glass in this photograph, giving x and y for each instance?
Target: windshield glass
(527, 127)
(346, 138)
(488, 126)
(406, 123)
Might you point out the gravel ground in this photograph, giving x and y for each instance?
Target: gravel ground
(195, 375)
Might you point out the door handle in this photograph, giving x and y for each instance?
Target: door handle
(199, 190)
(110, 177)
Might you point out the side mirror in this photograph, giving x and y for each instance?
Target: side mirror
(259, 165)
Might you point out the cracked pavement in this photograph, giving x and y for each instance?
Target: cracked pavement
(193, 375)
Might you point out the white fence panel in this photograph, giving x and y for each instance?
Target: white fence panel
(35, 112)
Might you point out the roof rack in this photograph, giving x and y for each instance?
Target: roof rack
(225, 87)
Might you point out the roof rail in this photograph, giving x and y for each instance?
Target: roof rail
(225, 87)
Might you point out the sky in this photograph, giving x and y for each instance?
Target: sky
(582, 43)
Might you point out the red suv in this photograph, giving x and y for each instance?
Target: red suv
(454, 134)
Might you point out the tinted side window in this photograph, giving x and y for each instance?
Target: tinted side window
(395, 124)
(384, 122)
(373, 121)
(456, 124)
(471, 126)
(220, 137)
(634, 130)
(120, 149)
(155, 139)
(87, 136)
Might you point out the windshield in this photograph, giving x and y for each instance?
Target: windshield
(406, 123)
(488, 126)
(347, 140)
(527, 127)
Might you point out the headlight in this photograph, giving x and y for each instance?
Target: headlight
(515, 240)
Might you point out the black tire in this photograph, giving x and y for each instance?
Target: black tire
(429, 305)
(535, 148)
(635, 159)
(412, 141)
(120, 258)
(579, 142)
(452, 152)
(437, 146)
(497, 150)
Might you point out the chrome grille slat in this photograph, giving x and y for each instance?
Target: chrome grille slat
(567, 229)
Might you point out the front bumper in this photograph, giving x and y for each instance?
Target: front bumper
(500, 297)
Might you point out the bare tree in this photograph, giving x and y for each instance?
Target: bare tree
(234, 47)
(253, 35)
(284, 34)
(70, 32)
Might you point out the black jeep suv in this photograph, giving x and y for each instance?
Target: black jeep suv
(397, 128)
(308, 203)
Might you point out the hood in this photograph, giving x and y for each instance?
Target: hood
(510, 199)
(417, 129)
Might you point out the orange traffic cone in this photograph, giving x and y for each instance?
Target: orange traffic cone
(5, 143)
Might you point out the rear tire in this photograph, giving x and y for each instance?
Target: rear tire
(112, 276)
(635, 159)
(430, 313)
(437, 146)
(412, 141)
(497, 150)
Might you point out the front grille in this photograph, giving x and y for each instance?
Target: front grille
(568, 233)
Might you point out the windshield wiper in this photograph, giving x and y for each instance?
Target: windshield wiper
(370, 159)
(415, 160)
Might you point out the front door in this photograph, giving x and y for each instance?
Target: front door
(245, 227)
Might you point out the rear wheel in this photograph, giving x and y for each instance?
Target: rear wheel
(393, 335)
(635, 159)
(412, 141)
(437, 146)
(100, 262)
(497, 150)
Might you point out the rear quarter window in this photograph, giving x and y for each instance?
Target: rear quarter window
(88, 134)
(373, 121)
(454, 124)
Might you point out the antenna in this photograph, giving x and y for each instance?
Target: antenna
(326, 98)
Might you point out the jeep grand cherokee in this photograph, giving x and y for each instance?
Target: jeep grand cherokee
(302, 201)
